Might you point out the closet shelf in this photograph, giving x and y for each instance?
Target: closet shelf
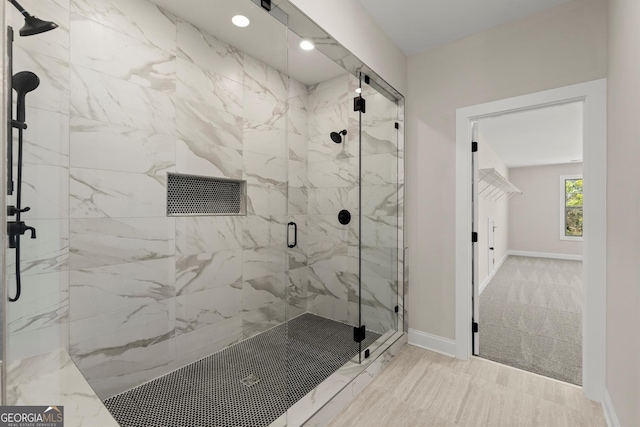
(496, 186)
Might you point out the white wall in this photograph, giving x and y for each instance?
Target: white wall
(558, 47)
(623, 211)
(491, 207)
(351, 25)
(535, 214)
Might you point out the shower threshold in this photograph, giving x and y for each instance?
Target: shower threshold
(288, 361)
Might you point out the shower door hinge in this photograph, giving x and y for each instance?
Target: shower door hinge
(397, 126)
(474, 327)
(396, 309)
(474, 237)
(474, 146)
(359, 333)
(266, 4)
(359, 104)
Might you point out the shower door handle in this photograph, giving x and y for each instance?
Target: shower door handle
(295, 235)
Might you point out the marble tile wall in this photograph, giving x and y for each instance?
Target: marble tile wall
(38, 321)
(298, 197)
(333, 177)
(130, 92)
(123, 309)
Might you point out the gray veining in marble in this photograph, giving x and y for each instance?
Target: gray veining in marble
(49, 254)
(98, 194)
(199, 272)
(206, 87)
(97, 242)
(47, 140)
(141, 20)
(201, 158)
(208, 125)
(105, 98)
(108, 51)
(53, 92)
(209, 52)
(99, 145)
(140, 294)
(204, 308)
(105, 288)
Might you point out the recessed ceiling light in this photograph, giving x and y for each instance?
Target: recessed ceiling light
(307, 45)
(240, 21)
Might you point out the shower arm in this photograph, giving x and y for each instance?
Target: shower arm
(20, 8)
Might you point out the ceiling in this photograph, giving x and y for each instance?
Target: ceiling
(265, 38)
(419, 25)
(544, 136)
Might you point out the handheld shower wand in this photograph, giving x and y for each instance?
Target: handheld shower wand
(23, 83)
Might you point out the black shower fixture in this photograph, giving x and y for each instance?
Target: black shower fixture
(23, 83)
(337, 136)
(32, 24)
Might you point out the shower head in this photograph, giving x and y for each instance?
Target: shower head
(23, 83)
(337, 136)
(32, 24)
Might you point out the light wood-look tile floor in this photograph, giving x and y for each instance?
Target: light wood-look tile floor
(423, 388)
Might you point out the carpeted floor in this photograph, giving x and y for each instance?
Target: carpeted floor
(531, 317)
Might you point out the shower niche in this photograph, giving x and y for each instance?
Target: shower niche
(204, 195)
(186, 147)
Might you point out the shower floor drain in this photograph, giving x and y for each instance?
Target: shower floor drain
(251, 380)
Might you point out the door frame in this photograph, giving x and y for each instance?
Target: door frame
(594, 96)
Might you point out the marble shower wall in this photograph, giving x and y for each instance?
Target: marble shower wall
(298, 197)
(334, 172)
(128, 93)
(39, 320)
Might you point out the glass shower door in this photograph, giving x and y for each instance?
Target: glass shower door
(323, 284)
(379, 208)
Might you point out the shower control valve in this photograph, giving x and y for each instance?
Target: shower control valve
(15, 228)
(12, 210)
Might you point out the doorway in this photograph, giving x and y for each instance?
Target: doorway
(593, 94)
(529, 257)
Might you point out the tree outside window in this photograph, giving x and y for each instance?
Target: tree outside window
(572, 209)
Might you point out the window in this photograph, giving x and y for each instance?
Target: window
(571, 207)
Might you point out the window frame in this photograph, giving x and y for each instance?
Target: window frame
(562, 199)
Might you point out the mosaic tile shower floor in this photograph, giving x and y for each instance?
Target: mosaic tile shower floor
(289, 360)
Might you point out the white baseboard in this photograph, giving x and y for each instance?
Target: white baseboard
(609, 410)
(486, 281)
(546, 255)
(432, 342)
